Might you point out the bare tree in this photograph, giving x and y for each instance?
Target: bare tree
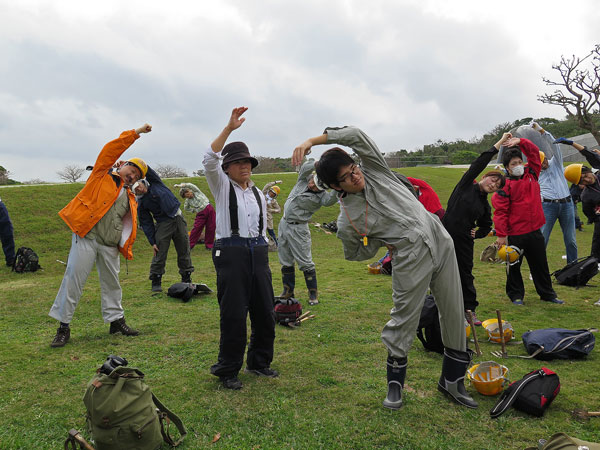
(71, 173)
(578, 90)
(198, 173)
(4, 174)
(170, 171)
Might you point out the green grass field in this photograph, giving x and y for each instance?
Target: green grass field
(332, 368)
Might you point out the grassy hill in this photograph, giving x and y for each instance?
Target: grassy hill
(332, 368)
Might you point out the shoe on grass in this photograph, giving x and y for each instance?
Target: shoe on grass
(231, 382)
(119, 326)
(518, 302)
(62, 337)
(265, 372)
(554, 300)
(476, 320)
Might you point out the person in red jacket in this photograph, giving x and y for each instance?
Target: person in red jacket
(518, 218)
(103, 219)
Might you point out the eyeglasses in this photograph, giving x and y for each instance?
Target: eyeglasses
(353, 171)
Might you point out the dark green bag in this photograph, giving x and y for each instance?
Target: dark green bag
(122, 413)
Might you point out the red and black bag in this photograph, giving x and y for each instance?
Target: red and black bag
(287, 310)
(532, 394)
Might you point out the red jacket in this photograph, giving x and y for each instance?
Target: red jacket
(428, 197)
(518, 206)
(99, 194)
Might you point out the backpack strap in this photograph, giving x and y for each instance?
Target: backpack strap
(233, 211)
(508, 397)
(167, 416)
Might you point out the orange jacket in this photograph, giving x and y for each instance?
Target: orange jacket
(100, 193)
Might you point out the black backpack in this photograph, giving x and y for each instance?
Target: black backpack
(26, 260)
(559, 343)
(429, 331)
(185, 291)
(577, 273)
(532, 394)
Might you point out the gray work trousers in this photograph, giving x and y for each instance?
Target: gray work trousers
(84, 252)
(295, 245)
(413, 271)
(172, 229)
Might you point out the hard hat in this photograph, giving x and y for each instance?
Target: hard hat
(493, 330)
(542, 157)
(375, 268)
(509, 253)
(276, 189)
(488, 377)
(140, 164)
(467, 328)
(573, 173)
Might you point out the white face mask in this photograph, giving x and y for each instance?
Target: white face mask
(517, 171)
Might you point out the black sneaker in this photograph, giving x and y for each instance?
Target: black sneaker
(231, 382)
(119, 326)
(265, 372)
(61, 338)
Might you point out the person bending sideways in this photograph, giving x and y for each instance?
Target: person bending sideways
(103, 219)
(378, 210)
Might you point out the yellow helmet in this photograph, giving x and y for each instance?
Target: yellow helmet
(488, 377)
(493, 330)
(276, 189)
(542, 157)
(467, 328)
(140, 164)
(573, 173)
(509, 253)
(374, 268)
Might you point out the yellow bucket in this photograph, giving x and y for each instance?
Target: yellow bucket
(488, 377)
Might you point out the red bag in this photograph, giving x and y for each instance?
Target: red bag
(287, 310)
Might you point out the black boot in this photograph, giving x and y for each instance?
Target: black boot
(186, 277)
(156, 282)
(451, 382)
(310, 276)
(288, 277)
(396, 372)
(119, 326)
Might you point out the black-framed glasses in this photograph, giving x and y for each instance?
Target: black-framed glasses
(353, 171)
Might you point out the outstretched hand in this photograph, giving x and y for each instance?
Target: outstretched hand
(300, 152)
(512, 141)
(236, 120)
(562, 140)
(146, 128)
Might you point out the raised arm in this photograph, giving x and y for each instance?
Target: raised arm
(235, 121)
(304, 149)
(482, 161)
(591, 156)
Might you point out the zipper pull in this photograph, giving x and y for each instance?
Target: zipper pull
(365, 241)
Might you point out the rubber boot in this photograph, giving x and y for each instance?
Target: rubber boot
(396, 372)
(310, 276)
(186, 277)
(451, 382)
(156, 282)
(288, 277)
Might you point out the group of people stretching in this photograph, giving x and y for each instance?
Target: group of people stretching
(378, 208)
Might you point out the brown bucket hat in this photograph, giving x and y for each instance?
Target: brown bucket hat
(235, 151)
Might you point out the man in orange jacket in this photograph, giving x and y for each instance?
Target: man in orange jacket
(103, 218)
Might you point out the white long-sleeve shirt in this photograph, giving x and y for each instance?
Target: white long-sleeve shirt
(248, 210)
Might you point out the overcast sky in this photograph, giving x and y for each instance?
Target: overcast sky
(74, 74)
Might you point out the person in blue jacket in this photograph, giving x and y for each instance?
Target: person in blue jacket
(162, 221)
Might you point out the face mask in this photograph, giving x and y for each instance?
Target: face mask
(517, 171)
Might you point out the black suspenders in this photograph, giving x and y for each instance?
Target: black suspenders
(233, 208)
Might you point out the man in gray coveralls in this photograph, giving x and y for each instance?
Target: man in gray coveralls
(294, 236)
(377, 210)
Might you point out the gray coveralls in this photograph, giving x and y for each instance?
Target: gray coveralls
(423, 254)
(293, 233)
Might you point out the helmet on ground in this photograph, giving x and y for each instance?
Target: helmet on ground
(467, 328)
(573, 173)
(509, 253)
(276, 189)
(493, 330)
(375, 268)
(488, 377)
(140, 164)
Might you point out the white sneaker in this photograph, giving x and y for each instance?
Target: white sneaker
(597, 303)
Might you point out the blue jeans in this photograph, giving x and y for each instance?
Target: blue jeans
(565, 214)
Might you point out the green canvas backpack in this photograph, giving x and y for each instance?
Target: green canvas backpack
(123, 414)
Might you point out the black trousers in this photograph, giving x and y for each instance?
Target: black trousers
(534, 249)
(463, 247)
(596, 241)
(244, 286)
